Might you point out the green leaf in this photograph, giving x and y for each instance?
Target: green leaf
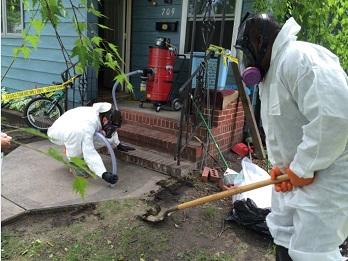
(16, 51)
(79, 68)
(33, 40)
(79, 162)
(340, 11)
(111, 65)
(25, 51)
(113, 47)
(108, 57)
(80, 185)
(35, 132)
(38, 25)
(95, 12)
(122, 78)
(55, 154)
(104, 27)
(96, 40)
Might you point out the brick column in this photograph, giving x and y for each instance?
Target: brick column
(227, 125)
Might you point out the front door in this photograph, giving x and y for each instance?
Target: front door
(117, 20)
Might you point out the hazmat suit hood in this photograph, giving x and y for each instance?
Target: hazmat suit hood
(288, 33)
(101, 107)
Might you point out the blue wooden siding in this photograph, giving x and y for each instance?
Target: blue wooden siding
(144, 34)
(46, 62)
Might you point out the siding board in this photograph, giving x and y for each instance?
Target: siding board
(49, 42)
(32, 76)
(36, 65)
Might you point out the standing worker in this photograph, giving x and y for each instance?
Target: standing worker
(75, 130)
(304, 111)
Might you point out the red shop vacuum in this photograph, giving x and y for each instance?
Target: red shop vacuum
(158, 85)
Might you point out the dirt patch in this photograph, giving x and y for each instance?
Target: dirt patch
(112, 231)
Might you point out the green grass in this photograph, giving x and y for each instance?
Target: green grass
(118, 238)
(112, 232)
(209, 212)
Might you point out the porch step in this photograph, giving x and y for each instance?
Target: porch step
(167, 121)
(156, 161)
(158, 140)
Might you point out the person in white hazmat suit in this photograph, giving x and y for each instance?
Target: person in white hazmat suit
(304, 111)
(75, 130)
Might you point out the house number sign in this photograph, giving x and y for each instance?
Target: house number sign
(168, 11)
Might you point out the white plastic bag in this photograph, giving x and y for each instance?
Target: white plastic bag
(251, 173)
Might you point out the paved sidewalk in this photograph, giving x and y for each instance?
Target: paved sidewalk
(31, 181)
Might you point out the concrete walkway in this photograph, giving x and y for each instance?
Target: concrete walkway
(31, 181)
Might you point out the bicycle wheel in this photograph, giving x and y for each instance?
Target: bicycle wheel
(41, 112)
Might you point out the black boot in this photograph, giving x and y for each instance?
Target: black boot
(282, 254)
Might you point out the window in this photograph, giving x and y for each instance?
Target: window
(11, 17)
(216, 13)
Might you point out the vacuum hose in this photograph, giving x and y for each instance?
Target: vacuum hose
(111, 152)
(114, 88)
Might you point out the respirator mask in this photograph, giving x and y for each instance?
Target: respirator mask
(249, 59)
(251, 75)
(114, 121)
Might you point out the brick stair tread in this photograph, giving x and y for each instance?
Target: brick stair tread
(155, 160)
(152, 134)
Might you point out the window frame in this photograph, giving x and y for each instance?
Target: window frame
(184, 19)
(4, 32)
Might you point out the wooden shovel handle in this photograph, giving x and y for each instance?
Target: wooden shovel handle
(231, 192)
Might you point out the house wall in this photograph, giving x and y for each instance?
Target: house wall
(144, 34)
(46, 62)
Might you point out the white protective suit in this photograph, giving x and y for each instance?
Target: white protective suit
(75, 130)
(304, 110)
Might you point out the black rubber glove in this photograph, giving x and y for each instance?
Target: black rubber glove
(125, 148)
(109, 177)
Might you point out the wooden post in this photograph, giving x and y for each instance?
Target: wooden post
(249, 114)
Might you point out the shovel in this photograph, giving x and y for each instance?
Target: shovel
(158, 215)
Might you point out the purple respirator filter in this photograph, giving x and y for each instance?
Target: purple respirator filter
(251, 76)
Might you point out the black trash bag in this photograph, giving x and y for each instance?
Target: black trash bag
(247, 214)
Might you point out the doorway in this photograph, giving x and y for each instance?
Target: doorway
(118, 20)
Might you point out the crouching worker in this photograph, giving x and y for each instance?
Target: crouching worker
(75, 130)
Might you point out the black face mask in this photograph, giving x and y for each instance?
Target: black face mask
(114, 118)
(109, 129)
(261, 25)
(251, 57)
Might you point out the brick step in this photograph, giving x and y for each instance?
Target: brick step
(155, 121)
(158, 140)
(154, 160)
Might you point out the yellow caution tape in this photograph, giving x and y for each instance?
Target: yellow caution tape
(223, 52)
(51, 88)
